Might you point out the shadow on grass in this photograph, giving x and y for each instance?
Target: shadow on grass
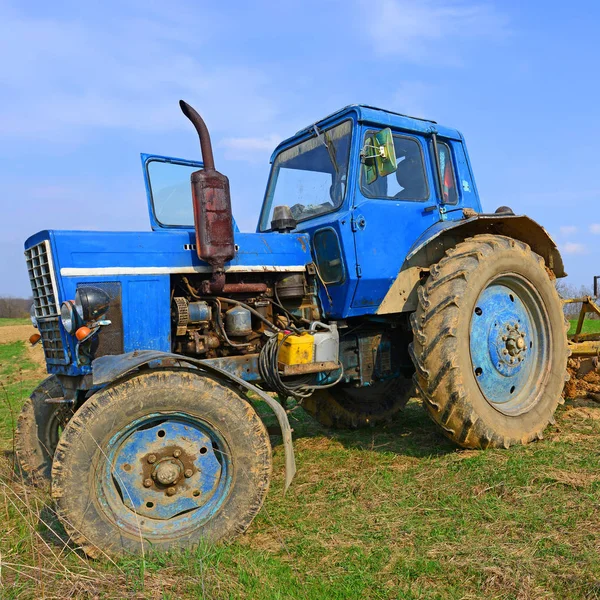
(410, 433)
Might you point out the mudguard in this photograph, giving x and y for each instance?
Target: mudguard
(520, 227)
(108, 369)
(430, 247)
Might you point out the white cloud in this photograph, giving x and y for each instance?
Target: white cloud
(428, 30)
(595, 228)
(66, 77)
(573, 248)
(567, 230)
(250, 149)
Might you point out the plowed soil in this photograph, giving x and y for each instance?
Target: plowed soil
(587, 386)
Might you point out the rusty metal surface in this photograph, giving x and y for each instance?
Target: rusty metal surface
(213, 219)
(317, 367)
(202, 129)
(585, 349)
(108, 369)
(248, 288)
(584, 345)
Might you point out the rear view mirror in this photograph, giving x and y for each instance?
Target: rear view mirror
(379, 155)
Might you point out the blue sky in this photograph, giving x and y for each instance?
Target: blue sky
(86, 86)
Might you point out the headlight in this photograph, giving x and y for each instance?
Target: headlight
(91, 303)
(68, 316)
(33, 316)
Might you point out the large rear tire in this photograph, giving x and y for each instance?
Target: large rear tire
(489, 346)
(345, 407)
(164, 459)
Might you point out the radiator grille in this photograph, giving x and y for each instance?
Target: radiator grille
(45, 300)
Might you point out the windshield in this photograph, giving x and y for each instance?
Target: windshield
(311, 177)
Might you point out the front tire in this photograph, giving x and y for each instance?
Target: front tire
(39, 428)
(164, 459)
(489, 346)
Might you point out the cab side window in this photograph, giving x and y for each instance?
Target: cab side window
(449, 192)
(408, 182)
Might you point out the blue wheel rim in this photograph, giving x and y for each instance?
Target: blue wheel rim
(510, 344)
(164, 475)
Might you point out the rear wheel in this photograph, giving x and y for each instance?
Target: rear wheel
(345, 407)
(163, 459)
(39, 428)
(489, 346)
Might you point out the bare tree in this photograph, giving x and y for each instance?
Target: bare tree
(565, 290)
(14, 308)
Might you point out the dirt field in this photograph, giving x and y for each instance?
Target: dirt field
(10, 334)
(15, 333)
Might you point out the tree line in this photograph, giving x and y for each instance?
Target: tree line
(14, 308)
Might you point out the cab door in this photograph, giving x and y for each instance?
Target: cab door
(390, 213)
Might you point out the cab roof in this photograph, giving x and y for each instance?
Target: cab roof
(378, 117)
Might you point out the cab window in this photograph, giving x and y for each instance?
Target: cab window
(449, 192)
(408, 182)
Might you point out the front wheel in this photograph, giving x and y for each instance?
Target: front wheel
(164, 459)
(39, 428)
(489, 346)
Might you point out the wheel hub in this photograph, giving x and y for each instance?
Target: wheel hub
(166, 470)
(514, 344)
(505, 343)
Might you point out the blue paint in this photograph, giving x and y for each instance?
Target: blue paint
(136, 454)
(509, 342)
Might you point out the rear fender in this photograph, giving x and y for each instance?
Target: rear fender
(433, 243)
(109, 369)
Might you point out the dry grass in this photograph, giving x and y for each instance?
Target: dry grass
(391, 512)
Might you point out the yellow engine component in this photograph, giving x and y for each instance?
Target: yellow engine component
(296, 349)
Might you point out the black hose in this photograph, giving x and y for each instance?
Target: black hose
(268, 366)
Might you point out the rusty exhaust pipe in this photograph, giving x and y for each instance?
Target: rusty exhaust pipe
(213, 218)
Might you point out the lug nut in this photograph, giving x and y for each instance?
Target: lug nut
(516, 326)
(177, 453)
(504, 338)
(188, 473)
(171, 491)
(148, 483)
(152, 459)
(505, 351)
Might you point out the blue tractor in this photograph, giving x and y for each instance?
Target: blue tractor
(373, 276)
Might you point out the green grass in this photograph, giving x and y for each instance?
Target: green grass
(392, 512)
(25, 321)
(589, 326)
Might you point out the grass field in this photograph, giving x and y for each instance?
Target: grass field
(391, 512)
(589, 326)
(5, 322)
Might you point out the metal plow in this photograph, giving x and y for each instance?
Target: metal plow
(584, 364)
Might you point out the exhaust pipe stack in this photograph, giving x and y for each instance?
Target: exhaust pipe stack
(213, 218)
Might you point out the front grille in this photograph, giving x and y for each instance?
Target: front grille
(45, 300)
